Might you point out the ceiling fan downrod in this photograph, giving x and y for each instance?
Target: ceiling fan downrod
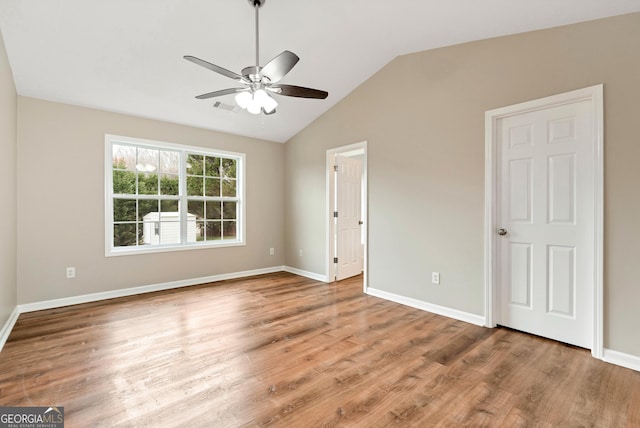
(257, 4)
(252, 72)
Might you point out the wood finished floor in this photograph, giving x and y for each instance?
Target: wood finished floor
(281, 350)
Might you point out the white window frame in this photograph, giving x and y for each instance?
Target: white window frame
(110, 250)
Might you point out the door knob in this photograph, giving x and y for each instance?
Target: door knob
(502, 232)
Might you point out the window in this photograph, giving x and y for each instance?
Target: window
(166, 197)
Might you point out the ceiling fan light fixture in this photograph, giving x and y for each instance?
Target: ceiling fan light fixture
(265, 100)
(253, 107)
(260, 96)
(254, 102)
(243, 99)
(269, 105)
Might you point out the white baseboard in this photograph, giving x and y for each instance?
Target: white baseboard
(621, 359)
(94, 297)
(8, 326)
(306, 274)
(429, 307)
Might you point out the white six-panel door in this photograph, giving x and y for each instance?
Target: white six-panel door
(545, 222)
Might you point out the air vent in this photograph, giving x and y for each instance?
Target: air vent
(226, 107)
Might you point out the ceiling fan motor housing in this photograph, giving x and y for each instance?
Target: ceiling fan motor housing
(252, 73)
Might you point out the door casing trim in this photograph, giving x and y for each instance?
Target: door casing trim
(593, 94)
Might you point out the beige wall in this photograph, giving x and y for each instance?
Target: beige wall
(8, 218)
(423, 117)
(61, 204)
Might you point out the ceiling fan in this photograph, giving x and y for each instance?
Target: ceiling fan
(260, 82)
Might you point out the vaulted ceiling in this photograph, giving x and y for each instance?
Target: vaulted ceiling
(126, 55)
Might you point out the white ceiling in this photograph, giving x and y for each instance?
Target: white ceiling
(126, 55)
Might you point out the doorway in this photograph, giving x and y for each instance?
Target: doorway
(543, 227)
(346, 172)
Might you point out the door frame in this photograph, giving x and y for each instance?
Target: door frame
(351, 149)
(593, 94)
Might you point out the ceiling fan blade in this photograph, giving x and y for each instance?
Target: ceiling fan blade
(221, 93)
(298, 91)
(279, 66)
(215, 68)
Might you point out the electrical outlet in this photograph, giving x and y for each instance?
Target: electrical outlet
(71, 272)
(435, 277)
(300, 252)
(272, 251)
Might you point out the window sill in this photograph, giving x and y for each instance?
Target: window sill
(130, 251)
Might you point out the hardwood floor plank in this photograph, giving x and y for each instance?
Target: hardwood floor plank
(282, 350)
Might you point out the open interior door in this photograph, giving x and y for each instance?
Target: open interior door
(348, 217)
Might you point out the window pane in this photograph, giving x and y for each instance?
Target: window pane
(211, 166)
(229, 187)
(199, 231)
(195, 164)
(147, 160)
(195, 186)
(196, 208)
(169, 162)
(124, 210)
(229, 231)
(124, 182)
(230, 211)
(169, 206)
(150, 232)
(228, 168)
(147, 184)
(214, 210)
(213, 230)
(139, 229)
(169, 184)
(147, 210)
(192, 230)
(124, 157)
(124, 235)
(212, 187)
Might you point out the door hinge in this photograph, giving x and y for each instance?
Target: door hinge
(335, 260)
(335, 214)
(335, 168)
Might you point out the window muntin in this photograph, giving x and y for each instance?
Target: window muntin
(163, 197)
